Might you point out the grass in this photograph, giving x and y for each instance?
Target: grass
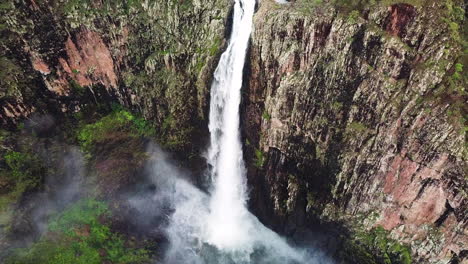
(77, 88)
(21, 170)
(357, 126)
(452, 92)
(119, 120)
(453, 17)
(337, 106)
(307, 6)
(80, 234)
(84, 212)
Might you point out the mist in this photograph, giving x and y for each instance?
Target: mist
(185, 210)
(216, 227)
(62, 184)
(203, 227)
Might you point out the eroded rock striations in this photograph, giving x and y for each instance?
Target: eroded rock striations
(349, 119)
(154, 56)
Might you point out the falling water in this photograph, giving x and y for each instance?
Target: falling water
(228, 201)
(217, 228)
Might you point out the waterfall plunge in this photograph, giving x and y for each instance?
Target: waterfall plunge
(217, 228)
(227, 221)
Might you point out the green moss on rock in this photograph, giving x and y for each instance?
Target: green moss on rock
(259, 158)
(375, 247)
(119, 120)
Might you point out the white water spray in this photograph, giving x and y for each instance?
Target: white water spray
(226, 223)
(218, 228)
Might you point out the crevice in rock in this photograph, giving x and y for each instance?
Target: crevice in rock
(321, 33)
(445, 215)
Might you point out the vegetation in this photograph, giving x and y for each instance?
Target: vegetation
(456, 80)
(452, 90)
(355, 129)
(119, 120)
(176, 118)
(80, 235)
(348, 6)
(23, 172)
(169, 66)
(76, 88)
(310, 200)
(337, 106)
(306, 6)
(173, 135)
(454, 16)
(259, 158)
(353, 17)
(10, 77)
(266, 115)
(320, 154)
(375, 247)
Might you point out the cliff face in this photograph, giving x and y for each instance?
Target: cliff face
(349, 117)
(357, 118)
(154, 56)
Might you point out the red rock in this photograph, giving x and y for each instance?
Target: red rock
(88, 62)
(400, 16)
(39, 65)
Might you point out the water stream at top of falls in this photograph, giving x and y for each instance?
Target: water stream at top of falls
(228, 202)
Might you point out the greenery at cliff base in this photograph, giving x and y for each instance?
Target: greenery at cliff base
(375, 247)
(81, 234)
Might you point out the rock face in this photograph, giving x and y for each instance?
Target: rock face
(349, 119)
(156, 57)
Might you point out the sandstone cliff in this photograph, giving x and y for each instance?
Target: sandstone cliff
(353, 116)
(358, 117)
(154, 56)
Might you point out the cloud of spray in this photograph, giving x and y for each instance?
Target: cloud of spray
(188, 212)
(63, 184)
(64, 188)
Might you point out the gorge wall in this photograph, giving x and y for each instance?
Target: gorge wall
(352, 116)
(155, 57)
(355, 117)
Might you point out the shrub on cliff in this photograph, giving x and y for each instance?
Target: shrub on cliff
(119, 121)
(23, 172)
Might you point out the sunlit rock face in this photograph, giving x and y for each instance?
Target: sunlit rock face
(342, 123)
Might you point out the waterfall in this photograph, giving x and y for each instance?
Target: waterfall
(228, 203)
(217, 228)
